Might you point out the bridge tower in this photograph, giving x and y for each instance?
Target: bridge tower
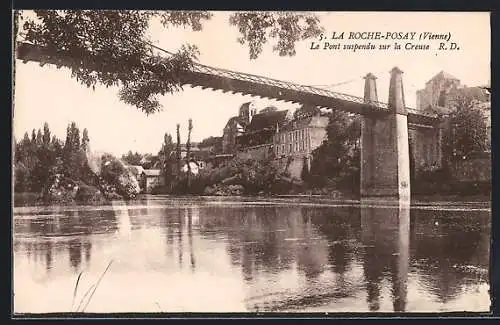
(385, 160)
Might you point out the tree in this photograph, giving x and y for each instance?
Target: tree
(467, 130)
(215, 144)
(72, 152)
(268, 109)
(167, 158)
(39, 138)
(337, 158)
(257, 175)
(188, 142)
(256, 28)
(305, 110)
(33, 137)
(36, 160)
(304, 174)
(112, 48)
(132, 158)
(85, 140)
(46, 134)
(178, 148)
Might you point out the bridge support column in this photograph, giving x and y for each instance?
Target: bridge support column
(385, 159)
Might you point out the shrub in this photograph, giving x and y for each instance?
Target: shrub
(88, 194)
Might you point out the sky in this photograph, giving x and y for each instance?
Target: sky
(46, 94)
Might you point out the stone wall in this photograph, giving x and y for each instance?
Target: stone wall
(472, 170)
(257, 152)
(293, 165)
(425, 149)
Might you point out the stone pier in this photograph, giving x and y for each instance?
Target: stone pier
(385, 160)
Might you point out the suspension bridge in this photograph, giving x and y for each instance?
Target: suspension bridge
(385, 148)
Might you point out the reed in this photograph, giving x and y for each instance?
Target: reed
(76, 289)
(91, 290)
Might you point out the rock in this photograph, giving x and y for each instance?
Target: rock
(209, 190)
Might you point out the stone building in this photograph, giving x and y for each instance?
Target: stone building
(442, 92)
(295, 141)
(288, 138)
(257, 140)
(150, 179)
(436, 91)
(236, 126)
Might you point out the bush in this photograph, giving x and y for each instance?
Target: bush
(26, 199)
(88, 194)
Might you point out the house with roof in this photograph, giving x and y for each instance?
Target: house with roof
(193, 166)
(286, 136)
(295, 140)
(149, 179)
(257, 140)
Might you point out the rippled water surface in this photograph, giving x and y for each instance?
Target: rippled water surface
(239, 255)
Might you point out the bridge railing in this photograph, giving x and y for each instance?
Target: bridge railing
(201, 68)
(205, 69)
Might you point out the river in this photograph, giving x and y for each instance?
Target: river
(160, 254)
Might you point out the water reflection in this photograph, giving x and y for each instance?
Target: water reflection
(451, 250)
(385, 235)
(255, 257)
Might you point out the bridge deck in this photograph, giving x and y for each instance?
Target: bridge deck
(237, 82)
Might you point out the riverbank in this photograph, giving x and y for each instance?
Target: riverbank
(37, 199)
(34, 199)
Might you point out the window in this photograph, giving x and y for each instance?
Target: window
(291, 148)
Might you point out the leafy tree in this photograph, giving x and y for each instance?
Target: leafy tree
(256, 28)
(268, 109)
(188, 143)
(467, 130)
(304, 174)
(257, 175)
(85, 140)
(215, 142)
(337, 158)
(35, 160)
(72, 154)
(39, 138)
(21, 178)
(33, 137)
(132, 158)
(112, 47)
(46, 134)
(167, 158)
(178, 148)
(305, 110)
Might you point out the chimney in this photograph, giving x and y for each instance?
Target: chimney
(370, 88)
(396, 92)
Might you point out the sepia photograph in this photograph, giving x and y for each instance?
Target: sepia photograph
(250, 162)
